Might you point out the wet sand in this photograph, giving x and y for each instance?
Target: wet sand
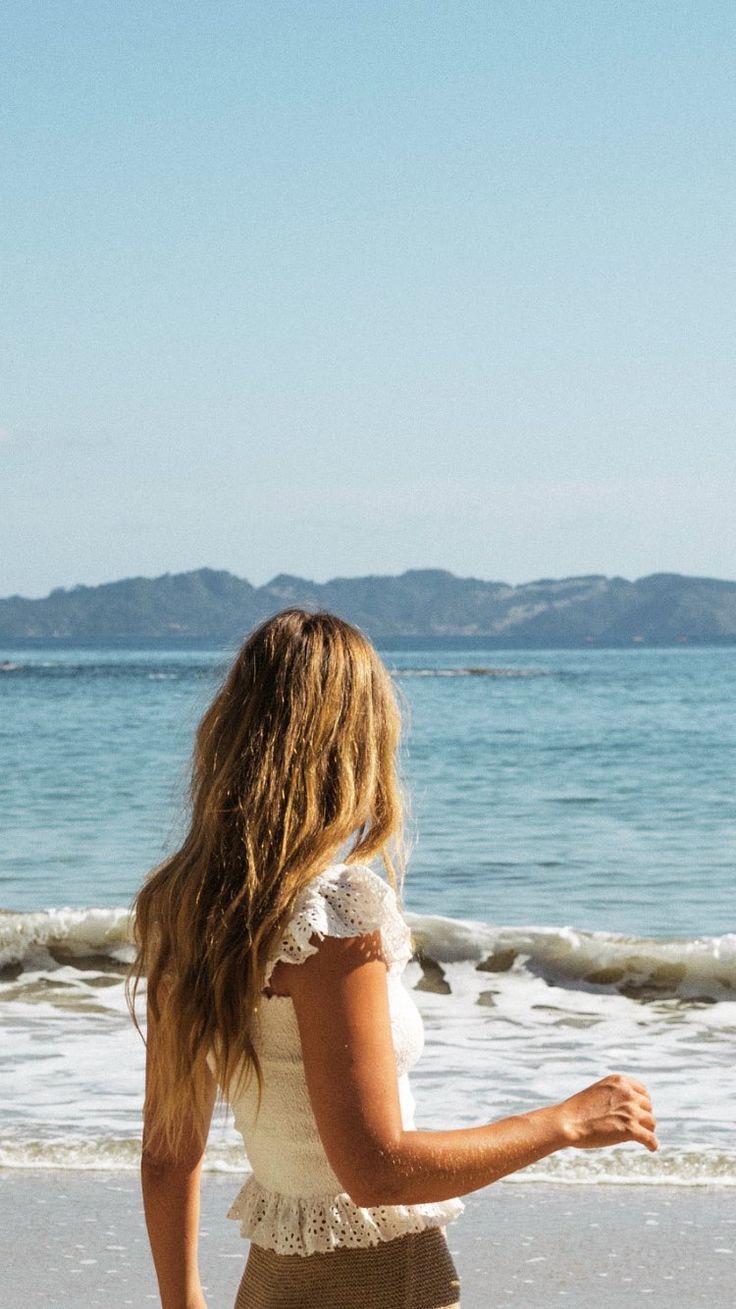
(76, 1240)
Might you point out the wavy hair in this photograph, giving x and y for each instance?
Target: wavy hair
(294, 760)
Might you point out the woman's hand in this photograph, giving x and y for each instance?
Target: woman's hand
(613, 1110)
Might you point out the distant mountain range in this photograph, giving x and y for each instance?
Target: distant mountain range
(215, 606)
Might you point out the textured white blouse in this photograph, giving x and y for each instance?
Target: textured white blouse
(292, 1202)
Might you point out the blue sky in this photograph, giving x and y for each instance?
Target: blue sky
(350, 287)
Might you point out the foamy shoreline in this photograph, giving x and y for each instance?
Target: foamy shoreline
(700, 969)
(78, 1241)
(513, 1018)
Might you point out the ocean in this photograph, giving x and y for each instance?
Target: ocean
(570, 885)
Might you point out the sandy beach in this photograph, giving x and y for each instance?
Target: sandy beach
(76, 1240)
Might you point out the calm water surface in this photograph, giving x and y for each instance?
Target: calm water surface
(593, 788)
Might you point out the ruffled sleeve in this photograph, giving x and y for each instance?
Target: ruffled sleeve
(345, 900)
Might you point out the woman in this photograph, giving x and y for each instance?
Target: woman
(274, 955)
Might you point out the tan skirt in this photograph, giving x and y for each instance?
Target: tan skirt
(415, 1271)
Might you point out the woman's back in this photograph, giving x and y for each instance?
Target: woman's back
(293, 1202)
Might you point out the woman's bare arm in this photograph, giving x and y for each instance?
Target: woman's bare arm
(340, 997)
(171, 1197)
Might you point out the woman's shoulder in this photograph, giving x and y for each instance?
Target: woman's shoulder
(356, 887)
(345, 900)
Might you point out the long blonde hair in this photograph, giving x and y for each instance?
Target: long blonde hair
(294, 758)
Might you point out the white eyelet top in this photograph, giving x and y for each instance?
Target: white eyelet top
(292, 1201)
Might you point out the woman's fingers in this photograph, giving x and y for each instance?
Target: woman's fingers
(639, 1086)
(644, 1125)
(642, 1130)
(645, 1113)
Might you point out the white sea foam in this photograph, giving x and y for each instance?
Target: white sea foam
(607, 1167)
(72, 933)
(514, 1017)
(698, 968)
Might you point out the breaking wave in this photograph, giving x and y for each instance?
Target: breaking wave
(621, 1166)
(697, 969)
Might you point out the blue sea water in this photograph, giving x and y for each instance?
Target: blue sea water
(571, 878)
(592, 788)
